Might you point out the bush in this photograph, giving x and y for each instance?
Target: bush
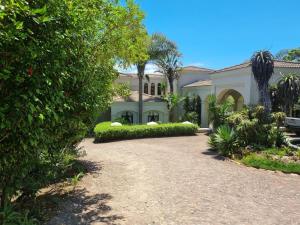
(56, 73)
(105, 132)
(191, 117)
(224, 140)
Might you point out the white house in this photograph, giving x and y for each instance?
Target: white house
(236, 81)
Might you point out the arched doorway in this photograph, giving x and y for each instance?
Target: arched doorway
(233, 96)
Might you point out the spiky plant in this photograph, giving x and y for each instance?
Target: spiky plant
(289, 91)
(170, 65)
(263, 68)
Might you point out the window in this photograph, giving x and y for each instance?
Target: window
(159, 89)
(146, 91)
(153, 117)
(152, 89)
(128, 117)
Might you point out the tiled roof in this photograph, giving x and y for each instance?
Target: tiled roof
(277, 64)
(196, 69)
(200, 83)
(134, 97)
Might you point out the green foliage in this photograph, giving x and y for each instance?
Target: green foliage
(293, 55)
(56, 71)
(192, 117)
(9, 216)
(288, 91)
(218, 112)
(260, 161)
(192, 108)
(105, 132)
(76, 178)
(224, 140)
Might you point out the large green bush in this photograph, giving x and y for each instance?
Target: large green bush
(105, 132)
(56, 72)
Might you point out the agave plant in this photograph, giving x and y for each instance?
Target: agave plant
(225, 140)
(263, 68)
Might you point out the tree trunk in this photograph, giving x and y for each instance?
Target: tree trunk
(141, 72)
(140, 99)
(171, 83)
(265, 99)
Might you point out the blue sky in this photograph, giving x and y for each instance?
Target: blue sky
(220, 33)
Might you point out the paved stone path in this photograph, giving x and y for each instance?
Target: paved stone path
(177, 181)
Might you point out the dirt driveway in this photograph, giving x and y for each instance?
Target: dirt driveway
(168, 181)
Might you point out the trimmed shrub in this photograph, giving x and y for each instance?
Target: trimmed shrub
(105, 132)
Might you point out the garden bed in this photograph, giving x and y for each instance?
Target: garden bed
(263, 162)
(104, 132)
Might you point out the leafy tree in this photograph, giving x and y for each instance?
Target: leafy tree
(218, 112)
(293, 55)
(263, 68)
(56, 72)
(172, 101)
(289, 91)
(158, 46)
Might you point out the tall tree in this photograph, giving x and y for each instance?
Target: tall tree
(288, 91)
(56, 72)
(158, 46)
(293, 55)
(170, 65)
(263, 69)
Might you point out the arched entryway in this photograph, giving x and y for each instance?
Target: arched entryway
(232, 95)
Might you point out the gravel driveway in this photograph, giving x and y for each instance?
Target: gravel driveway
(166, 181)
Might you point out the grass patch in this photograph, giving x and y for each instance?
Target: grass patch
(259, 161)
(105, 132)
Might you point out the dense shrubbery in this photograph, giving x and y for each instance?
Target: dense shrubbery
(248, 133)
(105, 132)
(56, 72)
(192, 109)
(251, 128)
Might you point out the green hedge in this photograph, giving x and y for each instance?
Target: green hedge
(105, 132)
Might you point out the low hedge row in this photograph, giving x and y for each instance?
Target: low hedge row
(105, 132)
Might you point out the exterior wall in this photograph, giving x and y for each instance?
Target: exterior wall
(133, 82)
(118, 108)
(203, 92)
(187, 77)
(238, 80)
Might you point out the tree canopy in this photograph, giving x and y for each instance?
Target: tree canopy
(56, 73)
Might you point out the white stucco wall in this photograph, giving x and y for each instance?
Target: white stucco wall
(118, 108)
(238, 80)
(188, 77)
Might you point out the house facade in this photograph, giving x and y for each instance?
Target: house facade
(235, 81)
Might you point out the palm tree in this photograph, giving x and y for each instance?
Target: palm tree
(170, 66)
(289, 91)
(158, 47)
(263, 69)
